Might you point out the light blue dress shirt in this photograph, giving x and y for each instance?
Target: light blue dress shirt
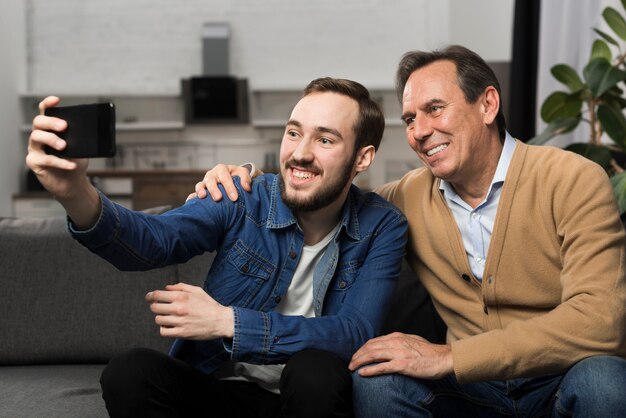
(476, 225)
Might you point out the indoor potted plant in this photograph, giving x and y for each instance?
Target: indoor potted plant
(596, 99)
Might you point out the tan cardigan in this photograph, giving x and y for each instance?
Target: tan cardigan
(553, 289)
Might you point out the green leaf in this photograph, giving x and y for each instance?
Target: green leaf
(560, 105)
(601, 50)
(614, 101)
(613, 123)
(615, 91)
(606, 37)
(624, 4)
(568, 76)
(597, 153)
(619, 188)
(615, 21)
(601, 76)
(556, 127)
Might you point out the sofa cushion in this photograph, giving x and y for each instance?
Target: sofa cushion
(62, 304)
(52, 391)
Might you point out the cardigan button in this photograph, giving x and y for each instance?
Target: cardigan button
(466, 277)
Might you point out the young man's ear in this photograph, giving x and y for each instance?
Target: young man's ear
(364, 158)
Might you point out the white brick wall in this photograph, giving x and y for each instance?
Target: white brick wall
(146, 46)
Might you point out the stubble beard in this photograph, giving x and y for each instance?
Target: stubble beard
(323, 196)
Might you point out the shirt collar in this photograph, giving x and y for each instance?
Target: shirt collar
(280, 216)
(505, 159)
(503, 166)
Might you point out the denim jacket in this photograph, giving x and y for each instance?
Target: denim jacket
(258, 244)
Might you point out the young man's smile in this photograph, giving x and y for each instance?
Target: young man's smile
(301, 176)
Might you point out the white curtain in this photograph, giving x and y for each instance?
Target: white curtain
(565, 36)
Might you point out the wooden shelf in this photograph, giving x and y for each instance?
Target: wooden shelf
(150, 126)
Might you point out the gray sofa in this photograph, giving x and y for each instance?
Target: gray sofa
(64, 313)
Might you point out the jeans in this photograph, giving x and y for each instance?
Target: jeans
(593, 388)
(148, 383)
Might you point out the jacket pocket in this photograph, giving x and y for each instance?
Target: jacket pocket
(243, 280)
(249, 263)
(345, 275)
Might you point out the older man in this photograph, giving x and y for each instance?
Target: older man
(522, 251)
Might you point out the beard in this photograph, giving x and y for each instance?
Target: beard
(324, 196)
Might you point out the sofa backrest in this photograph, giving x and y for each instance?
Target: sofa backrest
(59, 303)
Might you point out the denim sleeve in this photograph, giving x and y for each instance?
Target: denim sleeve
(348, 320)
(132, 240)
(250, 342)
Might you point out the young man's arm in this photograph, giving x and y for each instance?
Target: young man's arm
(181, 310)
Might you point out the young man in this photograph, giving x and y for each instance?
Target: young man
(305, 265)
(522, 251)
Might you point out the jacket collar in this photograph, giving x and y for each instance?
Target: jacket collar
(280, 216)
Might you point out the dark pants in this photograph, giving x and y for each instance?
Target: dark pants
(147, 383)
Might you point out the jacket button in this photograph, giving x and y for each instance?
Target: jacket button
(486, 310)
(245, 268)
(342, 285)
(292, 254)
(466, 277)
(277, 299)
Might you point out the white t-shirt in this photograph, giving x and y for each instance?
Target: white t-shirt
(298, 301)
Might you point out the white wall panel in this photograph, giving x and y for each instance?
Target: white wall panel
(146, 46)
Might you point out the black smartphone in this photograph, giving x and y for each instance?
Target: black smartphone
(90, 130)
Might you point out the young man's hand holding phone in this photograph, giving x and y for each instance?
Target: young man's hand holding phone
(90, 130)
